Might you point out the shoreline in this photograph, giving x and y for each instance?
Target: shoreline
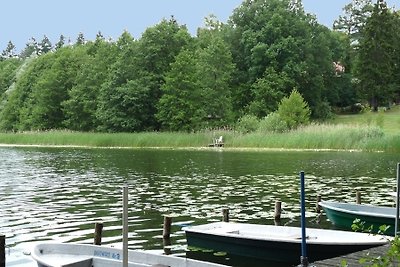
(205, 148)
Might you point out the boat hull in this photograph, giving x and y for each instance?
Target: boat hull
(342, 215)
(80, 255)
(286, 250)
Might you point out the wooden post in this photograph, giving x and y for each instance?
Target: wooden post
(98, 231)
(317, 206)
(358, 197)
(278, 210)
(2, 251)
(225, 214)
(167, 246)
(167, 227)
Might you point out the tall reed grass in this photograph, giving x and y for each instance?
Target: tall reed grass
(315, 136)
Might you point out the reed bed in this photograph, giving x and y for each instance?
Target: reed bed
(315, 137)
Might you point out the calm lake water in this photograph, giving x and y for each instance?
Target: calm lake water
(59, 193)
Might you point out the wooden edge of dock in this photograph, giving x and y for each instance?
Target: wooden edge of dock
(353, 259)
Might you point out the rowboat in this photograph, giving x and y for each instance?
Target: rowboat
(80, 255)
(280, 244)
(342, 215)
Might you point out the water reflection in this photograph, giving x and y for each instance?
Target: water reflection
(59, 194)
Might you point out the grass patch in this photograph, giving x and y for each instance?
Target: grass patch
(388, 120)
(315, 136)
(365, 132)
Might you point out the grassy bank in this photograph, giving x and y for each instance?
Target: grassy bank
(365, 132)
(326, 136)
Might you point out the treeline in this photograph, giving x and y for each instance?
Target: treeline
(170, 80)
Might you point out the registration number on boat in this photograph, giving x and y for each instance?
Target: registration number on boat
(107, 254)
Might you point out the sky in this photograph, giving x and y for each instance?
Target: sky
(22, 19)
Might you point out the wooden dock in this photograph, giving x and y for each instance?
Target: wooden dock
(352, 259)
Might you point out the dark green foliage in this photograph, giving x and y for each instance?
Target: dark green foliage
(179, 108)
(278, 47)
(8, 71)
(9, 52)
(61, 42)
(82, 104)
(45, 45)
(377, 57)
(169, 80)
(268, 91)
(247, 124)
(196, 93)
(125, 107)
(137, 78)
(31, 48)
(355, 16)
(272, 123)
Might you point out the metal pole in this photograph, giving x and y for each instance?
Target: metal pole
(396, 226)
(125, 227)
(303, 258)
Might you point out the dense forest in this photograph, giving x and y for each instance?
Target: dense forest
(268, 52)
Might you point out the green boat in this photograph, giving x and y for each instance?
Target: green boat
(342, 215)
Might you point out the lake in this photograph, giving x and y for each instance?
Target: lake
(60, 193)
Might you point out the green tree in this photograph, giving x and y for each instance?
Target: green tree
(144, 62)
(80, 40)
(376, 62)
(126, 107)
(81, 106)
(214, 68)
(179, 108)
(17, 98)
(294, 111)
(60, 43)
(354, 18)
(45, 45)
(31, 48)
(9, 52)
(43, 108)
(277, 36)
(201, 87)
(123, 75)
(8, 70)
(268, 91)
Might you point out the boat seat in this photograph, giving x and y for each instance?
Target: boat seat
(80, 263)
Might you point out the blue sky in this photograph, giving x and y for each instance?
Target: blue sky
(22, 19)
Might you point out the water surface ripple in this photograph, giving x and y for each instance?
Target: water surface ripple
(59, 193)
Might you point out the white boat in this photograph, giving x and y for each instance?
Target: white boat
(80, 255)
(278, 243)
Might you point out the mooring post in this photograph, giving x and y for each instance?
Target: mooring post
(317, 206)
(2, 251)
(278, 210)
(225, 214)
(98, 232)
(167, 227)
(167, 246)
(358, 197)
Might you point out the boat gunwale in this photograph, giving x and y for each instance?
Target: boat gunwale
(332, 206)
(295, 239)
